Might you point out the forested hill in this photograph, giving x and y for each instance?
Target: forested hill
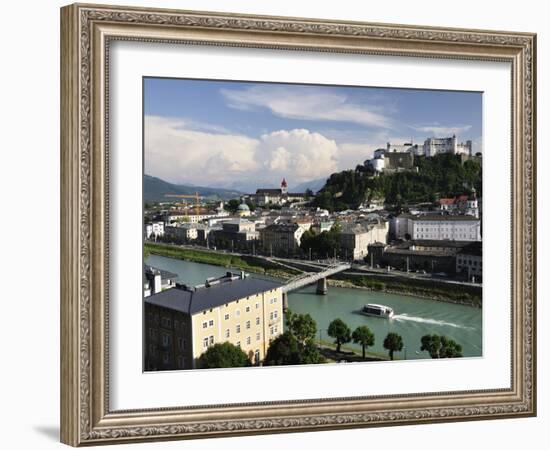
(438, 176)
(155, 190)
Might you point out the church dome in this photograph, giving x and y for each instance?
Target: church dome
(243, 207)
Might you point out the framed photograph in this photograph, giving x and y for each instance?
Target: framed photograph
(281, 224)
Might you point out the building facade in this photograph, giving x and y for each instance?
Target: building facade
(182, 232)
(154, 230)
(454, 228)
(281, 239)
(436, 227)
(355, 238)
(469, 262)
(429, 256)
(183, 322)
(237, 234)
(281, 196)
(434, 146)
(461, 204)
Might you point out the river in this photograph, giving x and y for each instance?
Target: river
(414, 316)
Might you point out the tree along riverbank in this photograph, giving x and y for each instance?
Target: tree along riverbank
(431, 289)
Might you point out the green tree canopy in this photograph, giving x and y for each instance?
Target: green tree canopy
(296, 345)
(223, 355)
(393, 343)
(286, 350)
(364, 337)
(283, 350)
(439, 175)
(301, 326)
(440, 346)
(232, 205)
(323, 244)
(341, 333)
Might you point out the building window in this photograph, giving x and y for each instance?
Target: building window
(166, 322)
(248, 340)
(238, 344)
(165, 358)
(226, 317)
(176, 325)
(238, 311)
(205, 342)
(227, 333)
(165, 339)
(248, 309)
(181, 362)
(257, 321)
(211, 323)
(181, 343)
(257, 336)
(238, 329)
(248, 324)
(257, 306)
(205, 324)
(211, 340)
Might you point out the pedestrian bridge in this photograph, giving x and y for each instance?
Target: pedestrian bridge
(320, 278)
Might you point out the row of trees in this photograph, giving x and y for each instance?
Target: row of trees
(297, 345)
(362, 335)
(437, 346)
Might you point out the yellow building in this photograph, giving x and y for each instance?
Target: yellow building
(183, 322)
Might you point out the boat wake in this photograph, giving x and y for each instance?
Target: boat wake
(406, 317)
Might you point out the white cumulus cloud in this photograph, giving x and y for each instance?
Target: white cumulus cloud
(178, 154)
(298, 153)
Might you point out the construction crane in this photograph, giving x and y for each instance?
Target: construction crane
(193, 196)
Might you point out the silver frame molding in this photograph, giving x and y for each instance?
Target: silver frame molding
(86, 31)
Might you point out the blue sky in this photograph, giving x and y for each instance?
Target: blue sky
(244, 134)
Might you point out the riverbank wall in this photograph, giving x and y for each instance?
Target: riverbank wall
(432, 289)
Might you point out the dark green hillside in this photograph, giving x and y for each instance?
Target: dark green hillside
(441, 175)
(154, 190)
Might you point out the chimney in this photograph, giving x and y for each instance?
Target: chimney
(156, 282)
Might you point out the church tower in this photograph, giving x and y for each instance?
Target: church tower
(284, 187)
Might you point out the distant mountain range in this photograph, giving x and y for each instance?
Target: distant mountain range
(155, 189)
(314, 185)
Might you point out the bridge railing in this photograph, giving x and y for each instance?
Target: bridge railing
(311, 277)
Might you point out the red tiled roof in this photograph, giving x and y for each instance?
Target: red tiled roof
(446, 201)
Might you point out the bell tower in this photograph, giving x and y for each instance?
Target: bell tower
(284, 187)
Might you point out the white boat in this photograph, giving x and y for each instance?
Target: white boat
(372, 309)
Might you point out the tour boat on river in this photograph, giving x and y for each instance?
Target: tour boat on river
(372, 309)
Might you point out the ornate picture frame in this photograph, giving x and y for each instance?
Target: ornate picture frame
(86, 34)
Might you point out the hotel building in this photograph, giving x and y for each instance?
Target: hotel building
(436, 227)
(183, 322)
